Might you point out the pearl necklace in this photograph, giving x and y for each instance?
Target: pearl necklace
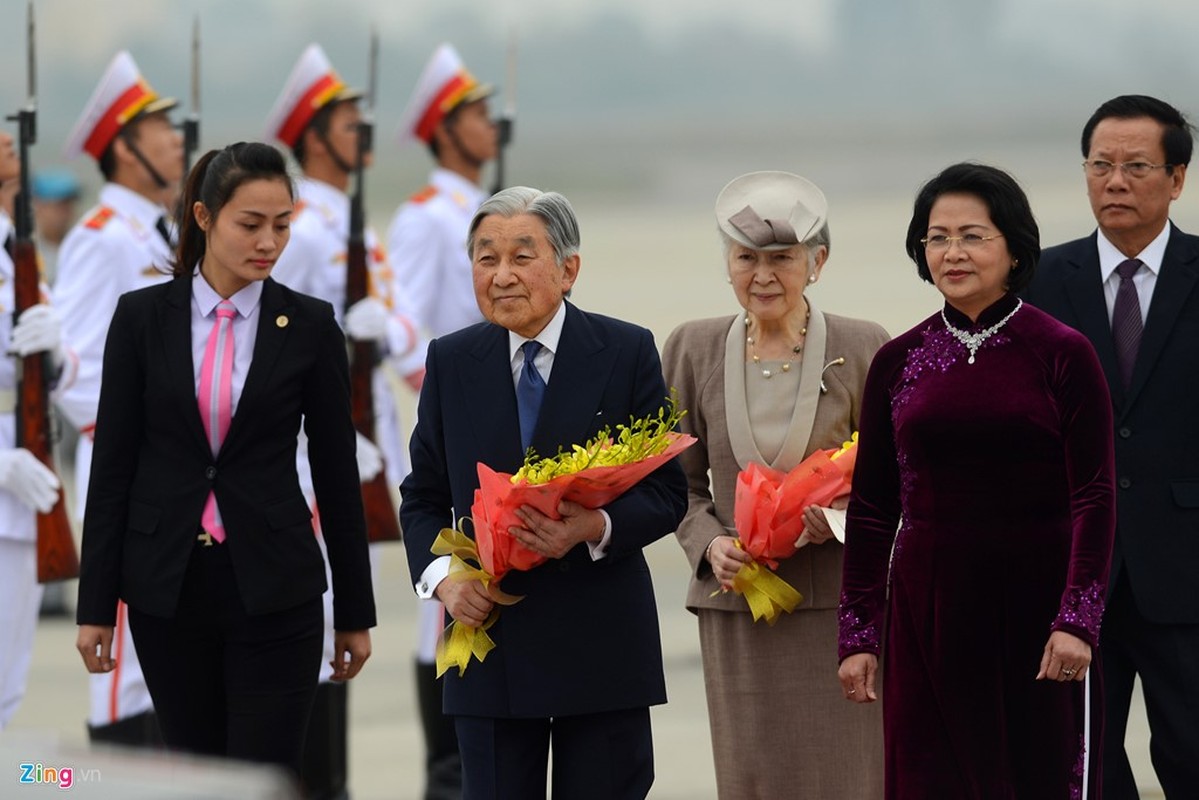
(795, 351)
(973, 341)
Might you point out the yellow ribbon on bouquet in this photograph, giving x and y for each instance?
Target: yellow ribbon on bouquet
(768, 595)
(460, 642)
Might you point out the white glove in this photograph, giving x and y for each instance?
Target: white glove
(370, 460)
(367, 319)
(29, 480)
(38, 329)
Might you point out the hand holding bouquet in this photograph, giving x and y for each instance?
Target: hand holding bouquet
(768, 515)
(591, 475)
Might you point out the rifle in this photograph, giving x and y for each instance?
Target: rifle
(505, 123)
(191, 125)
(382, 522)
(57, 558)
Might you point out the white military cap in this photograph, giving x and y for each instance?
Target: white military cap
(312, 85)
(771, 210)
(121, 96)
(444, 85)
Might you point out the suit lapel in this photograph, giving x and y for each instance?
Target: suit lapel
(1175, 282)
(1085, 292)
(486, 379)
(268, 343)
(175, 320)
(575, 392)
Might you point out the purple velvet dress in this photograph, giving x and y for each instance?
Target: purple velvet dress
(997, 476)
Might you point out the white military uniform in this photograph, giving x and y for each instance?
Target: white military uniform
(20, 593)
(314, 262)
(115, 248)
(427, 245)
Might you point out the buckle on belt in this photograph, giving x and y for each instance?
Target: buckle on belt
(205, 537)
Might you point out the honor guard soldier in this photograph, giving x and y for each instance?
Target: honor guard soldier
(121, 244)
(448, 112)
(26, 485)
(317, 116)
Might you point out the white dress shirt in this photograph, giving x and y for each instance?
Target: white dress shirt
(245, 328)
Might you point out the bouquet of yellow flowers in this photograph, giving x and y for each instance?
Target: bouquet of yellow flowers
(768, 514)
(592, 474)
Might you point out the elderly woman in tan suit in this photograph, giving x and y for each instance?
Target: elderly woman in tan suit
(772, 384)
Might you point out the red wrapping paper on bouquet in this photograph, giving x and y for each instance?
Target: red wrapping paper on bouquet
(768, 515)
(498, 498)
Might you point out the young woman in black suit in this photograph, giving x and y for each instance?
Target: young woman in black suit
(195, 516)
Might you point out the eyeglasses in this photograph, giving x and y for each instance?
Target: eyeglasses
(1098, 168)
(969, 241)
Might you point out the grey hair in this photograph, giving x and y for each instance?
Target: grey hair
(813, 243)
(553, 209)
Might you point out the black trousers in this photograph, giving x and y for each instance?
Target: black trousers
(607, 756)
(1167, 659)
(224, 682)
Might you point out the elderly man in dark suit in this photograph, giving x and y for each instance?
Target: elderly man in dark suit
(1131, 288)
(578, 662)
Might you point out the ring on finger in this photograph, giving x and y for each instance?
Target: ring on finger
(853, 691)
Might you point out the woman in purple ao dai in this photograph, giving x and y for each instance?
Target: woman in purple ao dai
(980, 525)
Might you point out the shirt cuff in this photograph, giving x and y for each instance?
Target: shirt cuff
(600, 549)
(432, 577)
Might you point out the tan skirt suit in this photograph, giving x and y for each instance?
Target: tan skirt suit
(780, 725)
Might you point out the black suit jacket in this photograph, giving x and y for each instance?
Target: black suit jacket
(152, 468)
(1156, 418)
(585, 638)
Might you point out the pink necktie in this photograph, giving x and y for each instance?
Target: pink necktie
(216, 400)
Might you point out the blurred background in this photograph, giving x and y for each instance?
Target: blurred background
(640, 112)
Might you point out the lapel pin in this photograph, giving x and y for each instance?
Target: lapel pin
(281, 321)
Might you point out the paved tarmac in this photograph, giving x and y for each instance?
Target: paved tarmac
(386, 751)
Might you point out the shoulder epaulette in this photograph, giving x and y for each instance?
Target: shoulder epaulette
(299, 207)
(100, 218)
(423, 195)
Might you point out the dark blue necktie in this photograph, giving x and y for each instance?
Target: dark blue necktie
(530, 391)
(1126, 320)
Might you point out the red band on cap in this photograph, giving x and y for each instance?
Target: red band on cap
(134, 99)
(309, 103)
(443, 102)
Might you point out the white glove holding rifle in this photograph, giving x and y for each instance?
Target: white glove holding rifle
(366, 320)
(29, 480)
(39, 329)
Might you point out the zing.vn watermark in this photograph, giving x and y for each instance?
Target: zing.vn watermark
(62, 777)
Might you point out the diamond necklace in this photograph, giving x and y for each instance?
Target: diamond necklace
(973, 341)
(795, 351)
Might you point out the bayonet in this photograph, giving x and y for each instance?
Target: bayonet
(31, 71)
(507, 120)
(191, 125)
